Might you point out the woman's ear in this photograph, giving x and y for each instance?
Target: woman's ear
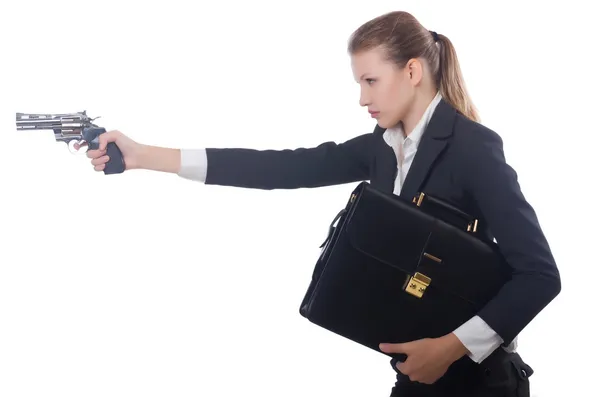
(415, 71)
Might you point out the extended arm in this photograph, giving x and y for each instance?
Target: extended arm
(326, 164)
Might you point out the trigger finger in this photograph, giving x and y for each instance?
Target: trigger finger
(100, 160)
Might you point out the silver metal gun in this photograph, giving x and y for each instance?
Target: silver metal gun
(73, 128)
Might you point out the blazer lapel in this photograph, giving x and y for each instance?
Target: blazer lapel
(433, 142)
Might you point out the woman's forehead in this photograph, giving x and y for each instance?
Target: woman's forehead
(368, 62)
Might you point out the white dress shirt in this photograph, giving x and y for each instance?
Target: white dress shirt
(475, 334)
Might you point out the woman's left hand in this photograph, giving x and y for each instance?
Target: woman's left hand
(427, 359)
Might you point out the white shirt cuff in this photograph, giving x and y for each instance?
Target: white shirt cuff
(478, 338)
(193, 164)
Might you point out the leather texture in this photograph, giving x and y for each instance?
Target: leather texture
(358, 287)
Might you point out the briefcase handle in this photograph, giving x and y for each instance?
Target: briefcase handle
(332, 227)
(429, 202)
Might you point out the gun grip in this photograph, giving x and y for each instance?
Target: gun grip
(115, 164)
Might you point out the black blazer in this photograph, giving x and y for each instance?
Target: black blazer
(458, 160)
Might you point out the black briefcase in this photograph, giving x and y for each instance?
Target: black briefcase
(393, 271)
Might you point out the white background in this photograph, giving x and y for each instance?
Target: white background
(146, 284)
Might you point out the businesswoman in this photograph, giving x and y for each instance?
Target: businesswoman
(428, 137)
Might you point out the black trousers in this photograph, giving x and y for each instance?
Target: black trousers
(502, 374)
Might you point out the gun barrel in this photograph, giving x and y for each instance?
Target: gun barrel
(50, 116)
(39, 121)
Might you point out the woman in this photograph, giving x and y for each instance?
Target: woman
(427, 137)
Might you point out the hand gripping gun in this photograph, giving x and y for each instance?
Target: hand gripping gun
(74, 128)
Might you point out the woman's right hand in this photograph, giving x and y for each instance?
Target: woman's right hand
(130, 150)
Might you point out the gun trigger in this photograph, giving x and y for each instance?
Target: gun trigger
(76, 147)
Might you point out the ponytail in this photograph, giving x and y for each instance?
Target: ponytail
(450, 80)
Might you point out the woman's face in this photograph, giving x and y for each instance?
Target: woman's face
(386, 90)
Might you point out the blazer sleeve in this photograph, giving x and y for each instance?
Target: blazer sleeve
(327, 164)
(535, 281)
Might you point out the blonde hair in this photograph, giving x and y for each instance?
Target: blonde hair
(404, 38)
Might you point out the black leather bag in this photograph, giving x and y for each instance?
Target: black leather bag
(392, 271)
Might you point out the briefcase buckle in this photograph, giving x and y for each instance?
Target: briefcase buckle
(472, 226)
(417, 284)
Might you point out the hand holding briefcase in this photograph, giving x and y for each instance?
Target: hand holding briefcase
(395, 272)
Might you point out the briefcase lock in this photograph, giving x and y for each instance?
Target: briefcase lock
(417, 284)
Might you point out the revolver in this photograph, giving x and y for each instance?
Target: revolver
(74, 128)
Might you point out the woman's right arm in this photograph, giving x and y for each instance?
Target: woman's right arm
(327, 164)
